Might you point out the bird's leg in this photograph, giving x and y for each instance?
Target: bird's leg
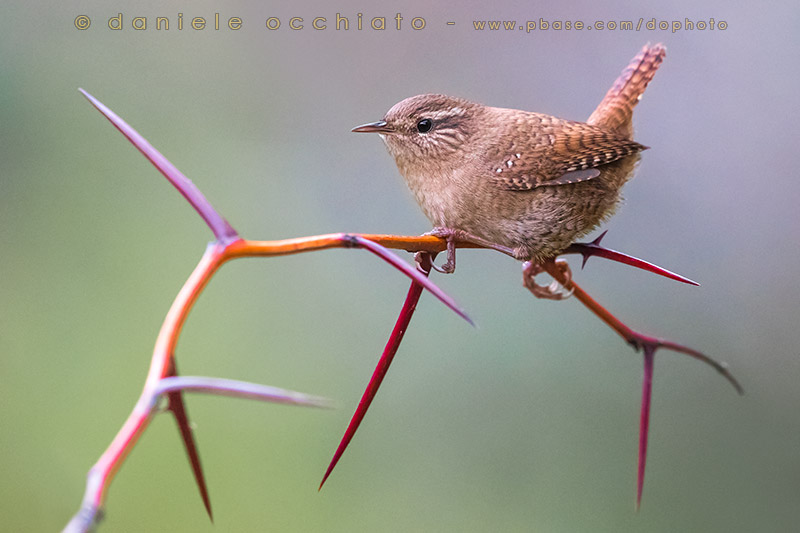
(550, 292)
(453, 236)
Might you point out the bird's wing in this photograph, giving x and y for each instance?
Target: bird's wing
(549, 151)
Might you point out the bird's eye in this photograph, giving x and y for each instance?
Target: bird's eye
(424, 125)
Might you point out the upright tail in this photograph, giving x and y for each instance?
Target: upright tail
(616, 110)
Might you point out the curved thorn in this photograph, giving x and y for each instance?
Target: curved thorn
(649, 347)
(593, 248)
(720, 367)
(409, 306)
(409, 271)
(595, 242)
(639, 342)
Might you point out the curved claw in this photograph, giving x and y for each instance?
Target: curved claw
(447, 268)
(556, 290)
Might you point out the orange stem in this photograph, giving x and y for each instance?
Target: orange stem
(613, 322)
(422, 243)
(102, 473)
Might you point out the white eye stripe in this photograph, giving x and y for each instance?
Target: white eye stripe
(456, 112)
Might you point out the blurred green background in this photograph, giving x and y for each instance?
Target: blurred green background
(527, 422)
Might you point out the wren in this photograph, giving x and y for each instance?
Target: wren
(525, 183)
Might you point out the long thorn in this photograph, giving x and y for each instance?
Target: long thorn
(588, 249)
(639, 341)
(409, 306)
(178, 408)
(222, 230)
(644, 420)
(239, 389)
(720, 367)
(409, 271)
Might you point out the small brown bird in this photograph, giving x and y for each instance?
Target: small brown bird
(524, 183)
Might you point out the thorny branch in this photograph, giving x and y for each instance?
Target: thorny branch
(163, 379)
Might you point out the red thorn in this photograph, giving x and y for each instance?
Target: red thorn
(720, 367)
(644, 419)
(649, 346)
(593, 248)
(409, 271)
(638, 341)
(409, 306)
(178, 409)
(596, 242)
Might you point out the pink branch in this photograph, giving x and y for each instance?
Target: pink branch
(161, 378)
(240, 389)
(101, 474)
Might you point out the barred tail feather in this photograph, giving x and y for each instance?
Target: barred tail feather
(615, 112)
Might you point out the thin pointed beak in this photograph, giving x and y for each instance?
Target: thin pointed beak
(374, 127)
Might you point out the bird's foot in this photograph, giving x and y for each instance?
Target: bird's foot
(452, 236)
(554, 291)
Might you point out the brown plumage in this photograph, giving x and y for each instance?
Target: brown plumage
(523, 181)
